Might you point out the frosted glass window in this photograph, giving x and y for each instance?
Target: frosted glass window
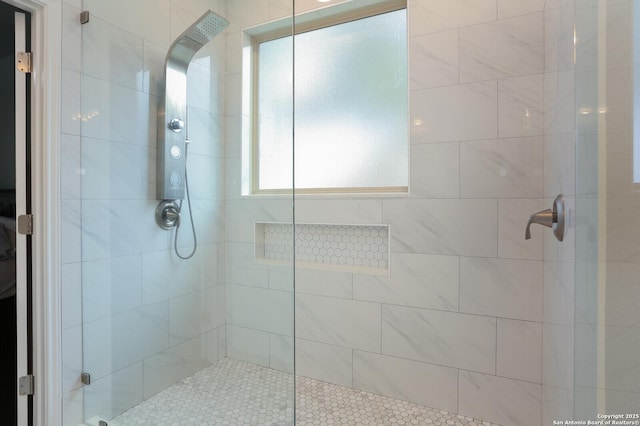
(351, 112)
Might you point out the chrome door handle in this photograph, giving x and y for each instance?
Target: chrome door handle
(551, 218)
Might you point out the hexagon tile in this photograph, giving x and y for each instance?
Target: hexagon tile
(232, 392)
(345, 245)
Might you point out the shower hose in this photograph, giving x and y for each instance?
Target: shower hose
(193, 226)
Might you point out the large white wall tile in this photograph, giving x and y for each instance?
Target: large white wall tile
(71, 38)
(241, 267)
(521, 106)
(205, 88)
(503, 168)
(559, 292)
(73, 407)
(559, 102)
(70, 108)
(241, 215)
(321, 361)
(112, 170)
(462, 112)
(499, 400)
(109, 230)
(456, 227)
(164, 276)
(435, 170)
(281, 277)
(423, 281)
(112, 54)
(246, 13)
(508, 8)
(519, 350)
(324, 283)
(116, 393)
(426, 384)
(106, 106)
(248, 345)
(71, 284)
(71, 231)
(347, 323)
(154, 68)
(70, 167)
(148, 19)
(196, 313)
(557, 404)
(559, 38)
(505, 48)
(433, 60)
(260, 309)
(71, 358)
(559, 165)
(206, 135)
(557, 356)
(143, 332)
(429, 17)
(111, 286)
(502, 288)
(339, 211)
(205, 179)
(445, 338)
(281, 353)
(181, 361)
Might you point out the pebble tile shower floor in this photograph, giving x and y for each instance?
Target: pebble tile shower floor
(232, 392)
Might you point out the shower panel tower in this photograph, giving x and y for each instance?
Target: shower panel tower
(172, 114)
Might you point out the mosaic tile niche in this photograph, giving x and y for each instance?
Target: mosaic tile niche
(358, 248)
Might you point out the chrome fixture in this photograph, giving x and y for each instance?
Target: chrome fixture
(553, 218)
(167, 214)
(173, 118)
(172, 112)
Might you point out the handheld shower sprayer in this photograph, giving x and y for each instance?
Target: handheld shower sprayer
(172, 182)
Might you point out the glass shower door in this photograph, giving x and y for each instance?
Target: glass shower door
(190, 323)
(607, 329)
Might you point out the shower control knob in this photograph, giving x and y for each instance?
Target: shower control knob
(176, 125)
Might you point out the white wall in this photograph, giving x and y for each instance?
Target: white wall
(135, 317)
(464, 306)
(484, 319)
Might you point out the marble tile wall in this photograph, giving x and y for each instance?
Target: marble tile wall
(480, 315)
(465, 302)
(258, 295)
(136, 317)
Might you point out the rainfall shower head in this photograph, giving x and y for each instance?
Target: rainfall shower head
(195, 37)
(173, 111)
(207, 27)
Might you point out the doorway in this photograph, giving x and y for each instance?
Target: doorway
(15, 293)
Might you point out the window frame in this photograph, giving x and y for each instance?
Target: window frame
(303, 23)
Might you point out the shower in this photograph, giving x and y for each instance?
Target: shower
(173, 124)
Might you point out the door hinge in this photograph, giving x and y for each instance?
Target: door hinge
(24, 62)
(85, 378)
(25, 224)
(84, 16)
(26, 385)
